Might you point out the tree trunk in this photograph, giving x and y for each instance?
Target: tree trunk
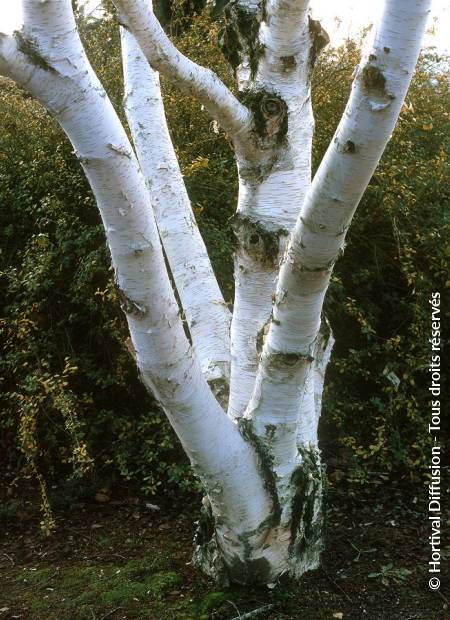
(285, 384)
(207, 315)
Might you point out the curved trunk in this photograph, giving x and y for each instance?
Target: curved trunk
(207, 315)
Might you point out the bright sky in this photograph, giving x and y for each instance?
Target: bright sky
(353, 15)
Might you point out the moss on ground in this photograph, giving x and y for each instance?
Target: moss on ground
(73, 591)
(141, 587)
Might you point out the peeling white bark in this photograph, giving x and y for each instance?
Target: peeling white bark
(207, 315)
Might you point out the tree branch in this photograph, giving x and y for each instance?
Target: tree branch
(201, 83)
(207, 315)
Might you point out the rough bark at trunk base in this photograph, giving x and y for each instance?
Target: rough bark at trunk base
(289, 543)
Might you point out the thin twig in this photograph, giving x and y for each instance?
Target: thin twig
(117, 555)
(110, 613)
(254, 613)
(360, 550)
(235, 606)
(331, 580)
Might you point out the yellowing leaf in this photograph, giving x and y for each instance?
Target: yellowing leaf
(199, 163)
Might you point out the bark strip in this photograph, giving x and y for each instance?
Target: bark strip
(207, 315)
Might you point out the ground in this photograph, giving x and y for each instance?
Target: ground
(123, 558)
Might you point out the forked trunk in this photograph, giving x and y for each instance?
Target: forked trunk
(259, 463)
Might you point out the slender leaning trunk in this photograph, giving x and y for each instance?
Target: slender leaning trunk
(207, 315)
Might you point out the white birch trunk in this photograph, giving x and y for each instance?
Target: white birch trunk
(262, 517)
(207, 315)
(289, 382)
(274, 163)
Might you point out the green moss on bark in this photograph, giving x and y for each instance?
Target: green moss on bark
(29, 47)
(245, 426)
(270, 114)
(239, 36)
(307, 513)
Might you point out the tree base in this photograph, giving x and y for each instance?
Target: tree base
(288, 545)
(259, 567)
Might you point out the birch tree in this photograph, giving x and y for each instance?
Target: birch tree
(243, 391)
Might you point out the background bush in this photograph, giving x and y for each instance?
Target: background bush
(71, 405)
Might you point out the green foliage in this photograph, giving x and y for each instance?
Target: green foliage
(388, 572)
(71, 405)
